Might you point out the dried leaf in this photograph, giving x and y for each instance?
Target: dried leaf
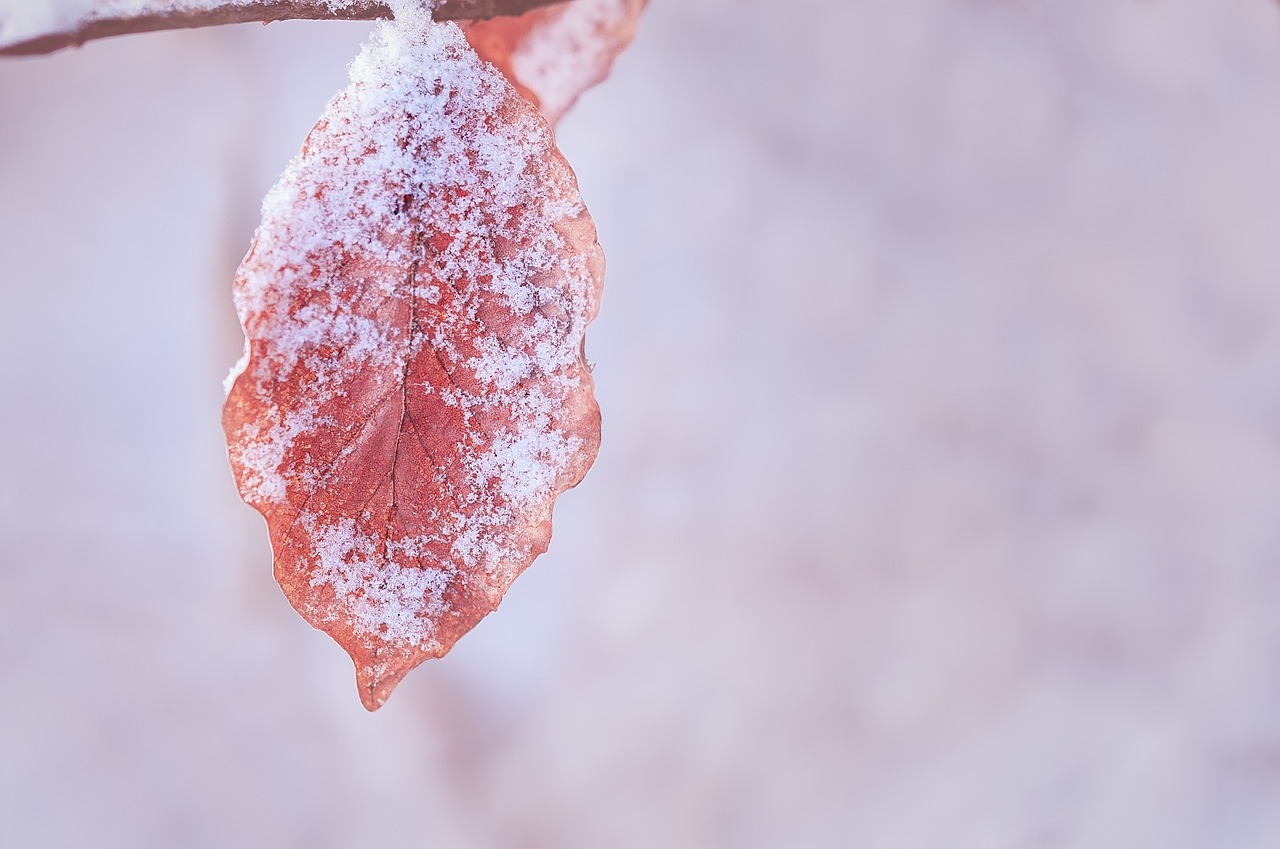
(554, 54)
(414, 393)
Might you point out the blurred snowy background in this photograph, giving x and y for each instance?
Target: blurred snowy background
(939, 503)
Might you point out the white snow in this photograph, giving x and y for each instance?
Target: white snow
(21, 20)
(380, 598)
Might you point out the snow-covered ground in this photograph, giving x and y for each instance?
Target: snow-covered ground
(939, 503)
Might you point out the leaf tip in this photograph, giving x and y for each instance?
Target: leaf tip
(376, 681)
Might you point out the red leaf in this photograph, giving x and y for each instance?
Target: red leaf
(555, 53)
(414, 394)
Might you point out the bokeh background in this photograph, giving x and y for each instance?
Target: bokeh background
(939, 503)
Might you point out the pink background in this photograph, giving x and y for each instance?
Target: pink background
(939, 503)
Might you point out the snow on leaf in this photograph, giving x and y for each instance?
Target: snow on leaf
(414, 394)
(554, 54)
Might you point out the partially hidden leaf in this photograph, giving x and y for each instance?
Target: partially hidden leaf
(555, 53)
(414, 394)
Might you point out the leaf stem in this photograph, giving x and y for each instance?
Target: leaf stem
(219, 12)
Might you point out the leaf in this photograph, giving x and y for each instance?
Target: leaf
(554, 54)
(414, 393)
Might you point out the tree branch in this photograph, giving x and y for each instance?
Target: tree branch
(217, 12)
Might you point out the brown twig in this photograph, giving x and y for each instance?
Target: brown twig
(265, 11)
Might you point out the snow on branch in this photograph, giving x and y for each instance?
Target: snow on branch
(42, 26)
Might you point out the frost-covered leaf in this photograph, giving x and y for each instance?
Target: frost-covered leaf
(556, 53)
(414, 394)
